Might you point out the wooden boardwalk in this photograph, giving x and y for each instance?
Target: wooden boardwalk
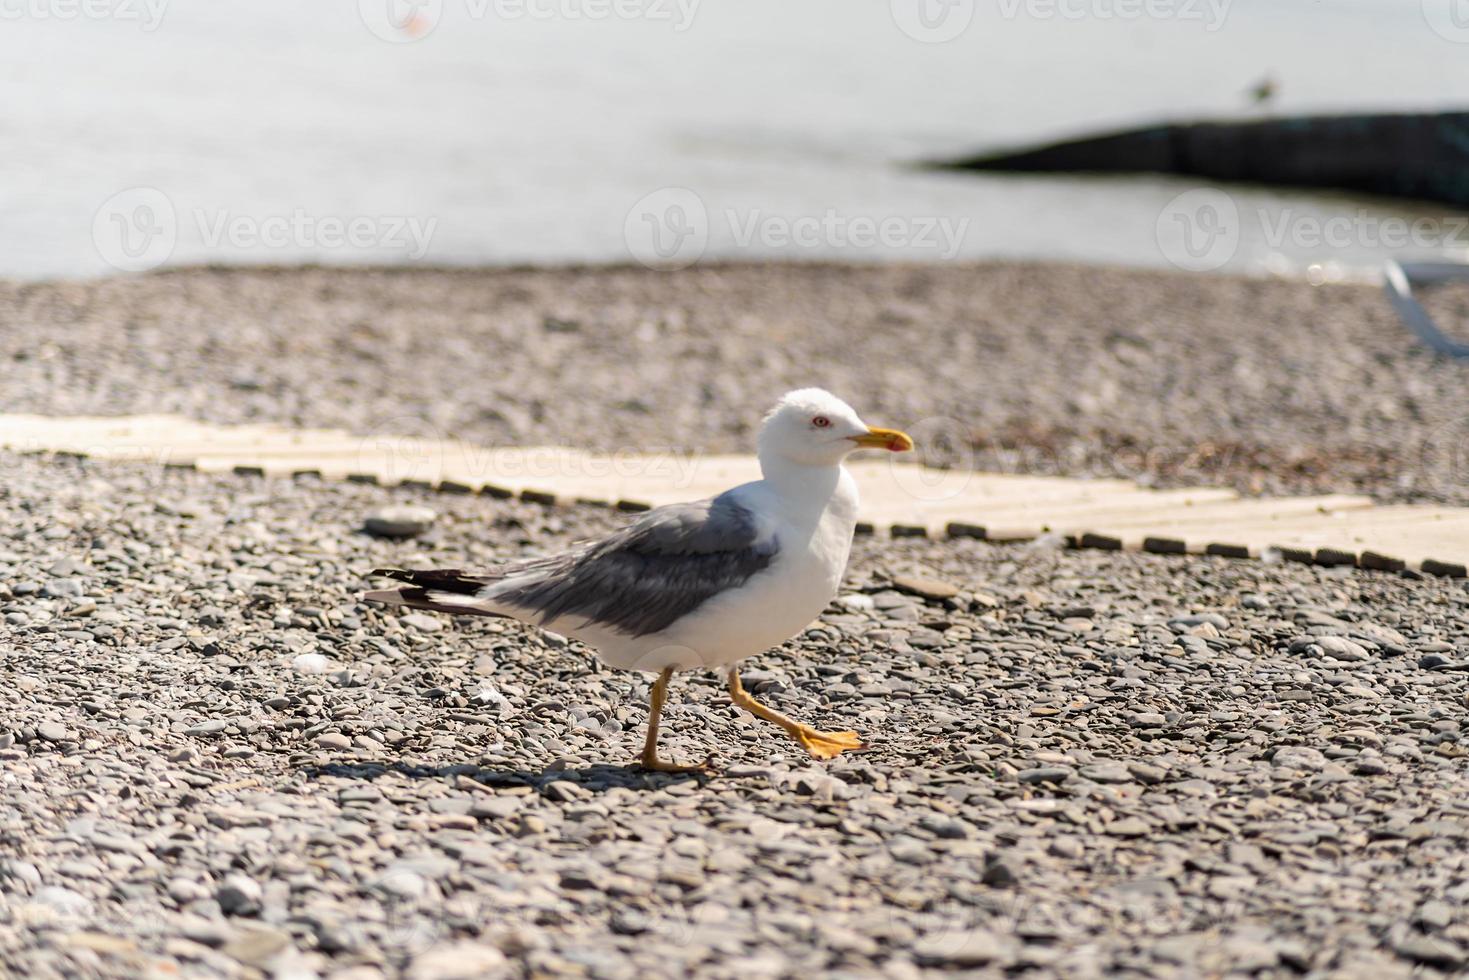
(899, 498)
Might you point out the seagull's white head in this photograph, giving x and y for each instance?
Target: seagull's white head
(813, 427)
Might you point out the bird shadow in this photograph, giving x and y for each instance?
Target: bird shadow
(598, 778)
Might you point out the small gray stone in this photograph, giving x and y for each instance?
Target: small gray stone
(962, 948)
(910, 850)
(64, 588)
(239, 894)
(52, 731)
(23, 871)
(1434, 914)
(457, 961)
(257, 945)
(402, 521)
(185, 890)
(1108, 772)
(1431, 950)
(1000, 871)
(1299, 757)
(1147, 773)
(1044, 774)
(63, 901)
(495, 808)
(1340, 648)
(423, 623)
(1066, 847)
(925, 586)
(1128, 827)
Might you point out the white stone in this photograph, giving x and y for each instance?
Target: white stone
(312, 663)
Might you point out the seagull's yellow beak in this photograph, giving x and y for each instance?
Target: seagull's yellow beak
(890, 439)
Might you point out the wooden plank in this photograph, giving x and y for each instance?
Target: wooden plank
(901, 497)
(1267, 510)
(1033, 518)
(895, 482)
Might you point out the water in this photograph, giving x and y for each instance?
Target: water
(276, 131)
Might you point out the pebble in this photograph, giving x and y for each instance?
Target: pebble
(457, 961)
(215, 803)
(1044, 774)
(1340, 648)
(1434, 914)
(63, 901)
(925, 587)
(403, 521)
(257, 946)
(1146, 773)
(962, 949)
(1433, 951)
(1299, 757)
(185, 890)
(55, 732)
(1109, 772)
(1128, 827)
(311, 663)
(239, 895)
(63, 588)
(422, 623)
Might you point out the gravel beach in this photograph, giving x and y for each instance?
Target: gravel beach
(217, 761)
(1263, 385)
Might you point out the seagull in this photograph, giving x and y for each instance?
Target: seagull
(1263, 92)
(696, 585)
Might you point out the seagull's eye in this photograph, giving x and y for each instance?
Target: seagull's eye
(821, 422)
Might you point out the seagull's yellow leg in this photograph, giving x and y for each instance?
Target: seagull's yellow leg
(650, 758)
(823, 745)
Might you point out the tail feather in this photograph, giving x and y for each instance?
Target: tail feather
(440, 590)
(438, 579)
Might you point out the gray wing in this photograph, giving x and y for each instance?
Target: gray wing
(650, 574)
